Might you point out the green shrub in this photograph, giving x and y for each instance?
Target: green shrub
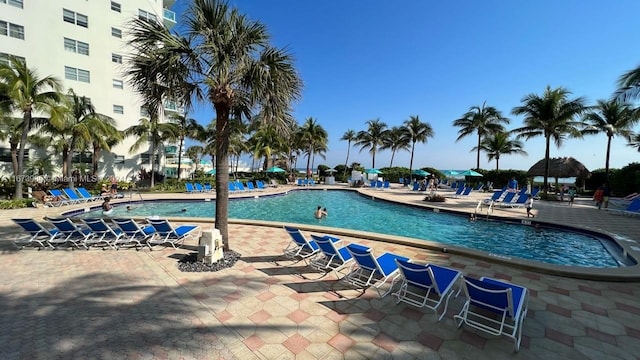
(16, 204)
(434, 198)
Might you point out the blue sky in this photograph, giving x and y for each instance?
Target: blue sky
(362, 60)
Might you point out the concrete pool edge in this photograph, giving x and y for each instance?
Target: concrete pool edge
(619, 274)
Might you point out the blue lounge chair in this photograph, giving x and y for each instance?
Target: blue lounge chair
(37, 234)
(250, 186)
(331, 258)
(199, 187)
(165, 233)
(189, 187)
(459, 191)
(478, 187)
(102, 233)
(70, 233)
(426, 285)
(232, 187)
(506, 201)
(87, 195)
(260, 185)
(495, 198)
(299, 247)
(207, 187)
(240, 186)
(73, 196)
(508, 301)
(466, 191)
(133, 233)
(386, 185)
(416, 186)
(368, 270)
(62, 199)
(631, 210)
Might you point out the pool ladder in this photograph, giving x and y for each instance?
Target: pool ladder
(139, 195)
(479, 208)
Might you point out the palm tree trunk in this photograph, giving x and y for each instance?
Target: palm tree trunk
(346, 162)
(373, 158)
(151, 158)
(23, 142)
(14, 158)
(497, 161)
(94, 160)
(413, 147)
(222, 172)
(308, 162)
(606, 166)
(546, 165)
(180, 156)
(393, 153)
(478, 155)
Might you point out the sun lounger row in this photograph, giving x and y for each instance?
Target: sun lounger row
(69, 196)
(238, 186)
(494, 306)
(306, 182)
(117, 233)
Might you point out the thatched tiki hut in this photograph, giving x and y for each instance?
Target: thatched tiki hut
(563, 167)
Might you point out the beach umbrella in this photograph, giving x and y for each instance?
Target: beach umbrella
(420, 172)
(373, 171)
(211, 172)
(275, 169)
(450, 173)
(470, 173)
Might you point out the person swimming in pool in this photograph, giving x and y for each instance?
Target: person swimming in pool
(320, 212)
(107, 208)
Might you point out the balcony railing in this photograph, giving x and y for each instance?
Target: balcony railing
(169, 18)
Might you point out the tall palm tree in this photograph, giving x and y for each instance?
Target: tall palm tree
(230, 58)
(628, 85)
(194, 153)
(634, 141)
(416, 131)
(79, 123)
(348, 136)
(314, 136)
(552, 116)
(103, 140)
(395, 140)
(29, 94)
(151, 132)
(498, 144)
(482, 120)
(187, 128)
(612, 118)
(372, 138)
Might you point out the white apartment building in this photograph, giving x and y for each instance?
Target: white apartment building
(83, 44)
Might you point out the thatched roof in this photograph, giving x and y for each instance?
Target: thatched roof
(560, 167)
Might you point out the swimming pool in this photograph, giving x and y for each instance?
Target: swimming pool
(350, 210)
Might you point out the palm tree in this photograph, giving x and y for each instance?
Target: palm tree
(187, 128)
(194, 153)
(628, 85)
(552, 116)
(612, 118)
(314, 136)
(80, 123)
(372, 138)
(416, 131)
(348, 136)
(152, 132)
(498, 144)
(230, 58)
(483, 120)
(29, 94)
(104, 140)
(395, 140)
(634, 141)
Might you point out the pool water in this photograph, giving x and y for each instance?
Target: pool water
(350, 210)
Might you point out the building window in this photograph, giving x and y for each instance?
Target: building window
(4, 58)
(76, 46)
(118, 109)
(71, 73)
(116, 32)
(115, 6)
(116, 58)
(117, 84)
(5, 154)
(16, 3)
(75, 18)
(13, 30)
(118, 159)
(144, 112)
(144, 158)
(143, 15)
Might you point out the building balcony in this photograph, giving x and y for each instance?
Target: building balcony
(168, 18)
(172, 106)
